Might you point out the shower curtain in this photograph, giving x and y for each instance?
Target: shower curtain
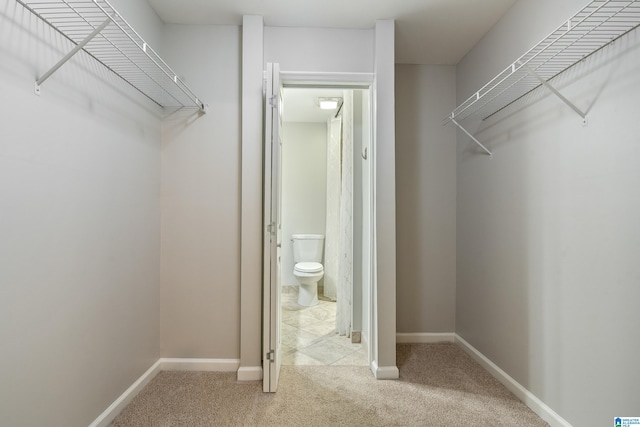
(345, 273)
(338, 278)
(332, 231)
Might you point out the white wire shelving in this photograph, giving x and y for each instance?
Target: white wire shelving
(600, 23)
(96, 28)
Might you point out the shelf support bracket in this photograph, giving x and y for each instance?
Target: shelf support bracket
(472, 137)
(68, 56)
(555, 92)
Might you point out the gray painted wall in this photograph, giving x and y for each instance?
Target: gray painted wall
(426, 198)
(200, 292)
(79, 227)
(547, 232)
(319, 49)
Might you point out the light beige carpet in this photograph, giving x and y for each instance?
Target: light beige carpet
(439, 385)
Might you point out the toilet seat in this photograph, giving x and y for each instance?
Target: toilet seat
(307, 274)
(308, 267)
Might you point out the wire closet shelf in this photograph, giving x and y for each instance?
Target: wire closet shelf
(594, 27)
(97, 28)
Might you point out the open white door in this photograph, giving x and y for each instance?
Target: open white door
(271, 288)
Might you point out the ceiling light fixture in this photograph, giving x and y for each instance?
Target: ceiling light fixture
(329, 103)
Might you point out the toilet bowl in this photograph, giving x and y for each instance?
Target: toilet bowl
(308, 270)
(308, 274)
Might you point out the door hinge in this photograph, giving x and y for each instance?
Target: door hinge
(271, 228)
(271, 356)
(273, 101)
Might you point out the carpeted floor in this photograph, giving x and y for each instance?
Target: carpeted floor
(439, 385)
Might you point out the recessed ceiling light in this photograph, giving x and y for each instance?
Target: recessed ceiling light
(328, 103)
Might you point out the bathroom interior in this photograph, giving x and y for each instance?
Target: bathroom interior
(325, 218)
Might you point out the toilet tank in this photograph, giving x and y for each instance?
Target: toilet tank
(307, 247)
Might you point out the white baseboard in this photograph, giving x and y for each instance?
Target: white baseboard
(250, 373)
(384, 372)
(164, 364)
(208, 365)
(125, 398)
(425, 338)
(254, 373)
(528, 398)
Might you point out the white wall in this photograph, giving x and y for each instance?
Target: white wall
(79, 227)
(426, 198)
(200, 292)
(548, 231)
(365, 202)
(304, 187)
(384, 219)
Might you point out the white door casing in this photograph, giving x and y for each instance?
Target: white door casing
(271, 289)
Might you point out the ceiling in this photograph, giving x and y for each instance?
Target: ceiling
(301, 104)
(427, 31)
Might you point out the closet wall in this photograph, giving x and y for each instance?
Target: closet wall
(319, 49)
(426, 198)
(200, 292)
(79, 226)
(547, 231)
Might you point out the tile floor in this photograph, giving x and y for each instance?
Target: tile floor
(309, 338)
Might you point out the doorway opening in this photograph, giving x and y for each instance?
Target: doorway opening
(353, 169)
(325, 192)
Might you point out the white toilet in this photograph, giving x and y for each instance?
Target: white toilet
(307, 256)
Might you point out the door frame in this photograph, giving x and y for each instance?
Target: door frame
(271, 335)
(270, 295)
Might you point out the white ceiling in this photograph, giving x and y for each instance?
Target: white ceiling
(427, 31)
(301, 104)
